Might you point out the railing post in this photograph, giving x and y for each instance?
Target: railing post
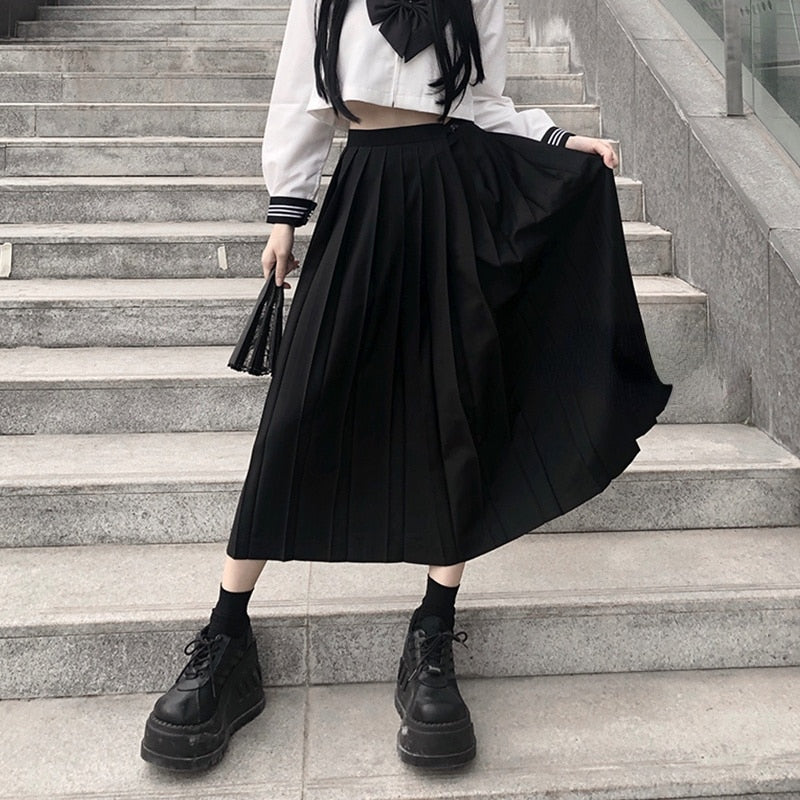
(733, 57)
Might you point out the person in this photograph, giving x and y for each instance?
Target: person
(464, 357)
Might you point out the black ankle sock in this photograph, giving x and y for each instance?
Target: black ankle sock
(439, 601)
(230, 614)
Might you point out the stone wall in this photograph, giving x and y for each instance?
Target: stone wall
(724, 186)
(13, 10)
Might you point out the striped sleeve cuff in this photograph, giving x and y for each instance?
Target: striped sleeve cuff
(557, 136)
(291, 210)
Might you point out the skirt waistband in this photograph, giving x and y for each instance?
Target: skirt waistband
(401, 134)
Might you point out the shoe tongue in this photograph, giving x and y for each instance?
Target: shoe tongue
(432, 625)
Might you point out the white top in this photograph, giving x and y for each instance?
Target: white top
(300, 124)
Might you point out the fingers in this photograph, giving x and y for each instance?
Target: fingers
(285, 264)
(282, 263)
(609, 156)
(281, 268)
(601, 147)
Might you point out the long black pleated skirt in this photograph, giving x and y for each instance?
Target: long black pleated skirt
(464, 357)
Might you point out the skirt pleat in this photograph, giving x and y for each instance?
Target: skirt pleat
(464, 357)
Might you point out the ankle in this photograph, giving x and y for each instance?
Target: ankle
(229, 616)
(439, 601)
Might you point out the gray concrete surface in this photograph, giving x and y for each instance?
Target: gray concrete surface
(544, 604)
(229, 31)
(191, 249)
(43, 87)
(170, 312)
(135, 389)
(166, 13)
(713, 734)
(203, 56)
(164, 156)
(91, 199)
(182, 487)
(192, 119)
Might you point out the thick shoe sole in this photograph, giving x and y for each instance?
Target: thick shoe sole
(435, 746)
(158, 731)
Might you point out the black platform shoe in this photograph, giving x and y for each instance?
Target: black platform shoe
(436, 729)
(217, 692)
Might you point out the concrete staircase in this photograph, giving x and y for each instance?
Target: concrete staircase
(644, 645)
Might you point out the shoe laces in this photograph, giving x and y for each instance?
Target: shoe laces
(432, 650)
(202, 650)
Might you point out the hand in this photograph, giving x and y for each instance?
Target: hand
(588, 144)
(278, 253)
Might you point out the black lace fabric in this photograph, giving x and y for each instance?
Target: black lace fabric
(257, 348)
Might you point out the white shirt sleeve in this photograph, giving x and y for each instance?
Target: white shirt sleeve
(493, 110)
(295, 144)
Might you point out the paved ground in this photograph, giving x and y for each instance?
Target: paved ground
(592, 737)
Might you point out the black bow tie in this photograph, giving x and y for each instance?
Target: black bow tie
(405, 24)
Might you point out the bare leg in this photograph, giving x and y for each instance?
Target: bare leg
(447, 576)
(240, 574)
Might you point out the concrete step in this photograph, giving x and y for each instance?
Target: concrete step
(183, 487)
(647, 736)
(134, 389)
(203, 249)
(203, 56)
(171, 312)
(173, 198)
(244, 87)
(162, 389)
(138, 199)
(196, 4)
(153, 10)
(216, 30)
(193, 119)
(163, 156)
(137, 155)
(542, 604)
(203, 4)
(129, 389)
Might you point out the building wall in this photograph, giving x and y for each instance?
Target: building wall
(724, 186)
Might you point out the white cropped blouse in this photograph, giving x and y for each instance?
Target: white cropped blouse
(300, 125)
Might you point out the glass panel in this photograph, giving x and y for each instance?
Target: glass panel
(710, 12)
(702, 20)
(770, 54)
(775, 36)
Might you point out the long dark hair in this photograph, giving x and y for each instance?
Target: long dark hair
(455, 67)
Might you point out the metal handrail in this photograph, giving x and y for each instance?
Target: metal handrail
(733, 57)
